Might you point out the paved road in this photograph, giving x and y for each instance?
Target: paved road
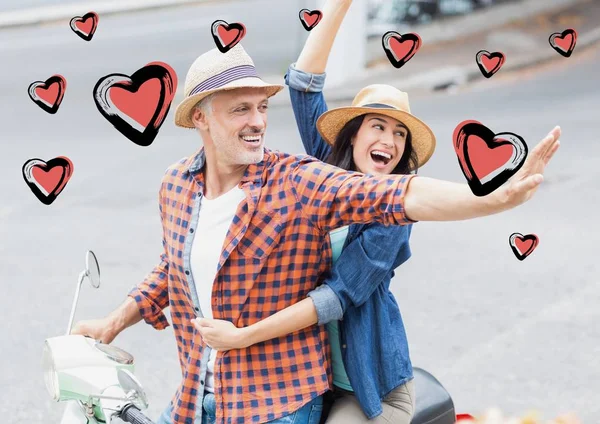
(496, 331)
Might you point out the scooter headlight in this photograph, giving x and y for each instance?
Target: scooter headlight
(50, 375)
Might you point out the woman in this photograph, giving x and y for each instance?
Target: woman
(372, 372)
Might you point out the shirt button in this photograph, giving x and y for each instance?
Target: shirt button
(202, 382)
(344, 346)
(187, 272)
(191, 230)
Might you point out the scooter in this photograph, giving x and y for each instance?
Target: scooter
(96, 380)
(98, 383)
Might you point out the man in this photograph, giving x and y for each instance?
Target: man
(244, 236)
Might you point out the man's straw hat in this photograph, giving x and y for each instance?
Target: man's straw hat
(215, 71)
(385, 100)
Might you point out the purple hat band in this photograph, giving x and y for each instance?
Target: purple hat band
(225, 77)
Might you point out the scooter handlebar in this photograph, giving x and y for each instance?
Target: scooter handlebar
(131, 414)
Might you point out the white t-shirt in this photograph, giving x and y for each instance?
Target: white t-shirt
(214, 220)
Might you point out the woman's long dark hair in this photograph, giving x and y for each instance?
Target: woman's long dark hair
(341, 152)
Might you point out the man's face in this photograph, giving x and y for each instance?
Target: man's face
(237, 125)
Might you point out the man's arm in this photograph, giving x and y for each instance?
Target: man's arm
(331, 197)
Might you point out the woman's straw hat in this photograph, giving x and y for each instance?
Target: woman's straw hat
(215, 71)
(385, 100)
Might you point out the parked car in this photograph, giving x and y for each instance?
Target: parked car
(398, 15)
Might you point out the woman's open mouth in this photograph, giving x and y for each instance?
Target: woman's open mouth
(381, 159)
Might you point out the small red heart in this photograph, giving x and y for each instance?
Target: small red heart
(490, 63)
(564, 43)
(49, 94)
(85, 26)
(400, 48)
(310, 19)
(139, 105)
(522, 246)
(47, 179)
(227, 36)
(486, 159)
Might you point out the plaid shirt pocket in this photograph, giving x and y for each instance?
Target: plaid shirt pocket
(263, 234)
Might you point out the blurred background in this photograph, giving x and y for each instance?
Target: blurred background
(494, 330)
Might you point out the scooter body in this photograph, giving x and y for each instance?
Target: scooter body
(94, 379)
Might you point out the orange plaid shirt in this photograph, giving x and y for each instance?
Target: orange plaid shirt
(275, 252)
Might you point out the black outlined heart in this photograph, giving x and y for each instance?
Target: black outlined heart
(486, 159)
(489, 63)
(48, 94)
(226, 35)
(564, 42)
(138, 105)
(400, 48)
(85, 26)
(47, 179)
(522, 246)
(310, 18)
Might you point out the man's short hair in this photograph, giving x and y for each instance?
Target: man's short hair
(205, 105)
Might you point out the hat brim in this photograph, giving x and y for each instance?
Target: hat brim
(423, 140)
(183, 112)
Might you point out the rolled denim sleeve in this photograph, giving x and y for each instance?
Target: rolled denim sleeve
(327, 303)
(308, 104)
(304, 81)
(368, 261)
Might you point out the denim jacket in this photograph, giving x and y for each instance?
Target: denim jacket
(373, 339)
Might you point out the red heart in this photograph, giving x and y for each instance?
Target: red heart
(523, 245)
(85, 25)
(401, 48)
(489, 63)
(228, 35)
(564, 42)
(140, 105)
(310, 19)
(485, 159)
(48, 179)
(48, 94)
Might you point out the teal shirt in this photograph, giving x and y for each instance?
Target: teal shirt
(340, 378)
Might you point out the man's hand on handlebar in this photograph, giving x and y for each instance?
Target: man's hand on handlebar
(98, 329)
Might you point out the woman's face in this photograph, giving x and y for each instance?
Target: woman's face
(379, 144)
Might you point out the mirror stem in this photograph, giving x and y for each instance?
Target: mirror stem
(81, 277)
